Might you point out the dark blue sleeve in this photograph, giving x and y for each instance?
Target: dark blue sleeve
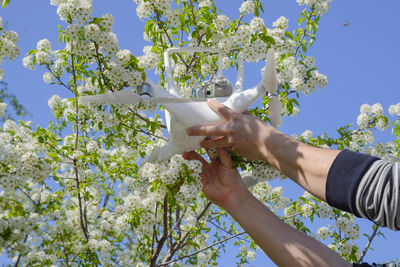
(343, 178)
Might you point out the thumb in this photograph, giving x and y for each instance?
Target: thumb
(219, 108)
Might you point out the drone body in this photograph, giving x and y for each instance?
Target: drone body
(182, 113)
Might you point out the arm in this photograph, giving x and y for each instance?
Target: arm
(284, 245)
(363, 185)
(249, 136)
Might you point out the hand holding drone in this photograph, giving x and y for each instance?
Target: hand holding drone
(182, 113)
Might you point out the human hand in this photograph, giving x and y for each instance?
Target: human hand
(243, 134)
(222, 183)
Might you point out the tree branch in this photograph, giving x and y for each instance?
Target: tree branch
(81, 215)
(154, 231)
(142, 131)
(180, 243)
(101, 68)
(163, 237)
(198, 251)
(368, 244)
(144, 119)
(60, 82)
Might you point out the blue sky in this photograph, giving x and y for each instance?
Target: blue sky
(361, 61)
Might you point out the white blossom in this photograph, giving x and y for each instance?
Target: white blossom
(282, 22)
(324, 232)
(205, 3)
(247, 7)
(394, 109)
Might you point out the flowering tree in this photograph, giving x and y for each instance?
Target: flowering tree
(75, 193)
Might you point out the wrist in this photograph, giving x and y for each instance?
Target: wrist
(238, 200)
(270, 143)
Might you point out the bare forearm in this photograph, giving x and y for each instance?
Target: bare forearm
(283, 244)
(251, 137)
(308, 166)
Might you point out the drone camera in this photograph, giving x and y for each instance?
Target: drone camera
(145, 89)
(222, 87)
(219, 87)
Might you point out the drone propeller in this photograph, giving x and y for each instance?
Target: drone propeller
(127, 97)
(121, 97)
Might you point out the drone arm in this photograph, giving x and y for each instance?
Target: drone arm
(220, 64)
(170, 80)
(270, 80)
(241, 101)
(270, 83)
(240, 76)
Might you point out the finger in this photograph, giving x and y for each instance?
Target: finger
(222, 110)
(246, 112)
(224, 157)
(205, 177)
(220, 141)
(192, 155)
(207, 131)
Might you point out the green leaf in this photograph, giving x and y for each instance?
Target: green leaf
(267, 39)
(289, 34)
(300, 20)
(5, 3)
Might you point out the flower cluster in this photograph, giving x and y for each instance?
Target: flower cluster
(370, 114)
(282, 22)
(149, 59)
(145, 9)
(324, 232)
(119, 71)
(321, 6)
(91, 38)
(21, 161)
(395, 109)
(247, 7)
(8, 46)
(170, 174)
(73, 10)
(295, 72)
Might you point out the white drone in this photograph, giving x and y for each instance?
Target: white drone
(182, 113)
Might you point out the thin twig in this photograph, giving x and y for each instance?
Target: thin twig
(368, 244)
(198, 251)
(176, 226)
(101, 68)
(226, 231)
(144, 119)
(60, 82)
(143, 131)
(65, 252)
(161, 24)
